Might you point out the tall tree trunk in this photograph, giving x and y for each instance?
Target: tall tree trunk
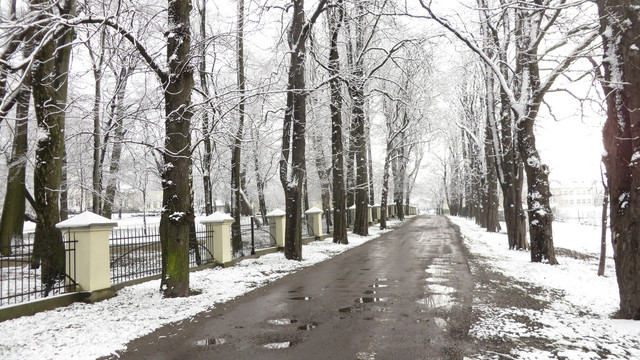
(64, 187)
(370, 164)
(236, 162)
(49, 85)
(398, 179)
(324, 173)
(540, 215)
(177, 214)
(361, 223)
(293, 132)
(97, 98)
(337, 148)
(603, 224)
(117, 119)
(259, 181)
(620, 29)
(492, 203)
(538, 193)
(13, 209)
(206, 132)
(385, 183)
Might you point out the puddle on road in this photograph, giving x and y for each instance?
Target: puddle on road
(280, 322)
(437, 301)
(211, 342)
(369, 292)
(350, 309)
(278, 345)
(309, 326)
(440, 289)
(367, 300)
(302, 298)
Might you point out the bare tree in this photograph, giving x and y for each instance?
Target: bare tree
(524, 95)
(293, 133)
(620, 29)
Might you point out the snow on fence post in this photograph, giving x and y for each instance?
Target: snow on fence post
(315, 217)
(277, 222)
(91, 261)
(369, 215)
(219, 225)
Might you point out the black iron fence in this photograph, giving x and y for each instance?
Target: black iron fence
(136, 253)
(255, 236)
(327, 222)
(23, 278)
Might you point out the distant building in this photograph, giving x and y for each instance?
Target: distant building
(578, 200)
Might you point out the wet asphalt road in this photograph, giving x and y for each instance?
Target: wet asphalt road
(404, 295)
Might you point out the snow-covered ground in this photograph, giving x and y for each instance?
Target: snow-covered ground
(83, 331)
(577, 323)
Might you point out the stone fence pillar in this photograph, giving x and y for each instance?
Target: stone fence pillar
(218, 225)
(90, 265)
(315, 220)
(277, 222)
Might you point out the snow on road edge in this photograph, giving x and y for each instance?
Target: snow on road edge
(578, 324)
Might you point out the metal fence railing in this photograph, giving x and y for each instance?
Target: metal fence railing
(22, 278)
(327, 223)
(136, 253)
(255, 236)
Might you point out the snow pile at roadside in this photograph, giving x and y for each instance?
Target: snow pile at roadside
(83, 331)
(577, 324)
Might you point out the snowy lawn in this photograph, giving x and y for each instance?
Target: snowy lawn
(83, 331)
(577, 322)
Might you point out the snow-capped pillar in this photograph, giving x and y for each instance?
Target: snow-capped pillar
(89, 266)
(351, 215)
(277, 222)
(315, 219)
(218, 227)
(369, 215)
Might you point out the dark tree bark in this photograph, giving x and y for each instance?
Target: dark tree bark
(177, 215)
(116, 118)
(492, 203)
(206, 132)
(49, 85)
(361, 223)
(293, 129)
(385, 183)
(259, 181)
(603, 224)
(335, 17)
(236, 157)
(620, 29)
(97, 65)
(370, 165)
(13, 209)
